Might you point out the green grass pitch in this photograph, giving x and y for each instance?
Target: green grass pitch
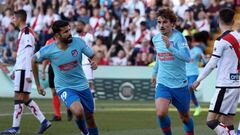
(113, 118)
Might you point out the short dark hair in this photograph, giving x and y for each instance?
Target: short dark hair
(167, 13)
(143, 23)
(137, 10)
(57, 25)
(21, 14)
(226, 16)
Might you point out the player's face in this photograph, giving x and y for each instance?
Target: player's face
(164, 25)
(80, 27)
(15, 20)
(65, 35)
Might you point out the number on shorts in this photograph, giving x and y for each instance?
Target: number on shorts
(64, 95)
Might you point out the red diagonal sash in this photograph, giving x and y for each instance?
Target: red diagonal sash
(235, 44)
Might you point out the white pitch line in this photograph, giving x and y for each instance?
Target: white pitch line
(115, 110)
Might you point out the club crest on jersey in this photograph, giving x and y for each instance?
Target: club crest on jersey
(74, 53)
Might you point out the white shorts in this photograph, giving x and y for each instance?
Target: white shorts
(20, 83)
(88, 72)
(225, 101)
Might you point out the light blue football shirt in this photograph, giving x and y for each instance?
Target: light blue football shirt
(67, 64)
(170, 66)
(192, 66)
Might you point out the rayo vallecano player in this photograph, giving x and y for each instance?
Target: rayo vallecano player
(225, 58)
(82, 32)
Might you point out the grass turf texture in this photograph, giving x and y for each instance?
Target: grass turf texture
(113, 118)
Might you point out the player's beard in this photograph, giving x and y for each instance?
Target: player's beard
(67, 40)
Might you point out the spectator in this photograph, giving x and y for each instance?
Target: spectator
(50, 17)
(197, 7)
(202, 24)
(110, 20)
(116, 38)
(125, 20)
(180, 9)
(12, 37)
(212, 12)
(99, 46)
(137, 19)
(142, 34)
(7, 18)
(119, 60)
(101, 29)
(102, 60)
(152, 20)
(82, 14)
(37, 21)
(188, 25)
(94, 20)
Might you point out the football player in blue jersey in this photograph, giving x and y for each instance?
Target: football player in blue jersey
(71, 84)
(169, 74)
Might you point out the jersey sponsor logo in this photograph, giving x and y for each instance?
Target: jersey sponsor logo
(234, 76)
(74, 53)
(68, 66)
(165, 56)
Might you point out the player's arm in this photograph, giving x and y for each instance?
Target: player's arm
(90, 54)
(217, 53)
(38, 57)
(182, 52)
(154, 73)
(44, 66)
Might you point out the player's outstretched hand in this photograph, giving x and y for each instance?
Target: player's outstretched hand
(153, 81)
(12, 76)
(41, 91)
(166, 40)
(93, 64)
(195, 85)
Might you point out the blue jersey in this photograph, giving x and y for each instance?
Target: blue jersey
(170, 62)
(67, 64)
(192, 67)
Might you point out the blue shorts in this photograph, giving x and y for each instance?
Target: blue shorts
(180, 97)
(85, 97)
(191, 79)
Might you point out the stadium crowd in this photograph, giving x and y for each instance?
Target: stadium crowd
(122, 29)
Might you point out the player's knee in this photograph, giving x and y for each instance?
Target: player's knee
(184, 117)
(212, 124)
(161, 113)
(18, 96)
(78, 113)
(77, 110)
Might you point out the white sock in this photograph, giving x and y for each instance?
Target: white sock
(221, 129)
(17, 114)
(33, 107)
(94, 99)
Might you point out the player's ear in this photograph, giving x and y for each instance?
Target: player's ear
(57, 35)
